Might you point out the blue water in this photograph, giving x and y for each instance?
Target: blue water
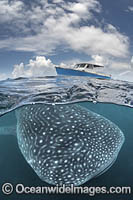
(14, 93)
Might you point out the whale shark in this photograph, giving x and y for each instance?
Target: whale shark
(67, 143)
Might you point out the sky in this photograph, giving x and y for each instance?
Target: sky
(37, 34)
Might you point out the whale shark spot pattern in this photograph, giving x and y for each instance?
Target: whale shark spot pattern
(67, 144)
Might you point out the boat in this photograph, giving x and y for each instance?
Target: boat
(83, 69)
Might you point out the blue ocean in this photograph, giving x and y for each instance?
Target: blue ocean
(111, 99)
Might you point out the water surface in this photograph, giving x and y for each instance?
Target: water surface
(111, 99)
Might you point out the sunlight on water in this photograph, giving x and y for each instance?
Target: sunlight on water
(21, 91)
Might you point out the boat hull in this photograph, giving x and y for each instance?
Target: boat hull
(72, 72)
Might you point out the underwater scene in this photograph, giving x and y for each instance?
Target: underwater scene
(58, 131)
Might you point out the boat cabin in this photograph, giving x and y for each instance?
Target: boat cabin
(87, 66)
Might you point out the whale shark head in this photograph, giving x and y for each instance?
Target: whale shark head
(67, 144)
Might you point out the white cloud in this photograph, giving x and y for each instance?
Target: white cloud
(93, 40)
(18, 71)
(125, 76)
(132, 62)
(10, 10)
(38, 67)
(83, 8)
(123, 71)
(120, 66)
(57, 1)
(120, 70)
(110, 63)
(130, 8)
(59, 23)
(41, 66)
(79, 8)
(99, 60)
(3, 76)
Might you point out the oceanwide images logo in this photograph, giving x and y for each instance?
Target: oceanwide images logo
(8, 189)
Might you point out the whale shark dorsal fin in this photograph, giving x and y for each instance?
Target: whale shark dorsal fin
(8, 130)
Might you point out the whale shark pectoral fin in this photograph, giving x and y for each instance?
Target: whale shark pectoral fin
(8, 130)
(106, 169)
